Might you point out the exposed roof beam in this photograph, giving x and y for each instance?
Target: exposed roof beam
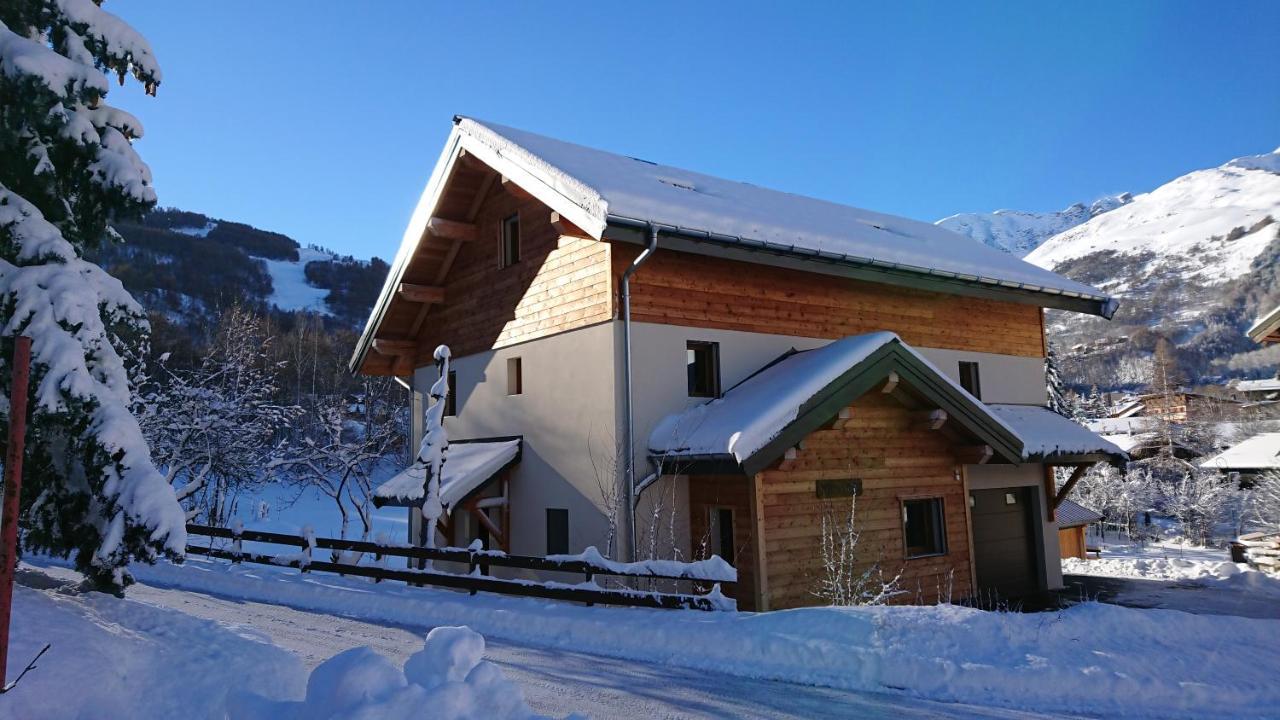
(514, 189)
(564, 227)
(891, 384)
(452, 229)
(426, 294)
(394, 348)
(1066, 488)
(974, 454)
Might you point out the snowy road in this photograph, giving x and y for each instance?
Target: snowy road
(554, 682)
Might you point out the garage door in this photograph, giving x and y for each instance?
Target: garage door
(1003, 541)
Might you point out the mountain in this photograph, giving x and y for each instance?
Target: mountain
(1019, 232)
(184, 267)
(1193, 261)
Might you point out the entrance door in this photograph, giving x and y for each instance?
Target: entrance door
(1003, 541)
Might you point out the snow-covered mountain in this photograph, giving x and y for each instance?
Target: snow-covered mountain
(1019, 232)
(1194, 260)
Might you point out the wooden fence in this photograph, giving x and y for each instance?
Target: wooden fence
(478, 564)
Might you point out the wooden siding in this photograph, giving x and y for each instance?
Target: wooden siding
(561, 283)
(894, 462)
(733, 492)
(678, 288)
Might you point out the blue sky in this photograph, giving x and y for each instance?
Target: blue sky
(322, 119)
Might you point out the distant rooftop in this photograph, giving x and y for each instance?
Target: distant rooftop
(1267, 328)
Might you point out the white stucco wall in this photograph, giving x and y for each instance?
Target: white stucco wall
(566, 415)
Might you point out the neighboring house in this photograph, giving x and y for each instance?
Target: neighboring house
(1184, 405)
(1267, 328)
(1073, 520)
(746, 360)
(1248, 459)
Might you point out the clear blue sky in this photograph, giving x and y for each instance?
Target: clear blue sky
(323, 119)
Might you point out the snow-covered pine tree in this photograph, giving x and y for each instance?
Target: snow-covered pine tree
(67, 169)
(1053, 383)
(435, 447)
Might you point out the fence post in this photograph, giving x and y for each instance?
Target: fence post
(237, 550)
(590, 575)
(12, 492)
(471, 565)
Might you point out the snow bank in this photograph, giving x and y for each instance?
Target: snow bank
(1091, 658)
(713, 568)
(113, 658)
(446, 680)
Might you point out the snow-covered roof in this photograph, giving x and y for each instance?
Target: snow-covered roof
(1073, 514)
(751, 415)
(1118, 425)
(1260, 452)
(606, 186)
(468, 466)
(1263, 385)
(1046, 435)
(1267, 327)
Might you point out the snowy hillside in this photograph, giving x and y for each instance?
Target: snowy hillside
(1019, 232)
(290, 289)
(1193, 260)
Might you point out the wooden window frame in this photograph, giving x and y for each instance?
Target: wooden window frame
(941, 504)
(451, 400)
(503, 260)
(557, 512)
(515, 376)
(713, 349)
(971, 375)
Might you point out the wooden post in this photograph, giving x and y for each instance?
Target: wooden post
(12, 491)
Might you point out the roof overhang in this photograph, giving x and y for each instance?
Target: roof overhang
(916, 377)
(484, 471)
(1267, 328)
(701, 242)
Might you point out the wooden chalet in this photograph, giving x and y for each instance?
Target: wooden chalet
(731, 362)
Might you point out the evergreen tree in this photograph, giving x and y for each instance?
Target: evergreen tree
(1053, 383)
(67, 170)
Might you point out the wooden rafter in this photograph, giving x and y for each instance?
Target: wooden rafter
(509, 185)
(1066, 487)
(564, 227)
(427, 294)
(452, 229)
(891, 383)
(974, 454)
(393, 348)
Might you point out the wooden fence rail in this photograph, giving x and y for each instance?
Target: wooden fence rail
(478, 563)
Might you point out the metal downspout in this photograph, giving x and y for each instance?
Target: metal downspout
(629, 458)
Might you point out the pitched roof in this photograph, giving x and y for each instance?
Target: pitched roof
(1073, 514)
(608, 187)
(1267, 328)
(1263, 385)
(605, 193)
(753, 423)
(1260, 452)
(1050, 437)
(467, 467)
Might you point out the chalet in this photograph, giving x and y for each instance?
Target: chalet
(648, 359)
(1247, 459)
(1267, 328)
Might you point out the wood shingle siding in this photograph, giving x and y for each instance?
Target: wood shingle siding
(560, 283)
(877, 445)
(678, 288)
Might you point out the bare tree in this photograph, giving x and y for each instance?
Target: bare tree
(845, 577)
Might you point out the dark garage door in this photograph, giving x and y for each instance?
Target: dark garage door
(1003, 543)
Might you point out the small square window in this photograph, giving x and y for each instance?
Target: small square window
(557, 531)
(969, 379)
(511, 241)
(515, 380)
(721, 533)
(923, 527)
(703, 363)
(451, 400)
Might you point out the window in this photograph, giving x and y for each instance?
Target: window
(923, 527)
(451, 400)
(704, 369)
(969, 378)
(511, 241)
(721, 533)
(557, 531)
(515, 383)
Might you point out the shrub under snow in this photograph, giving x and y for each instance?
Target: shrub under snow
(447, 679)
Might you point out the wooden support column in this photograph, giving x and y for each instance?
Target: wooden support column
(756, 498)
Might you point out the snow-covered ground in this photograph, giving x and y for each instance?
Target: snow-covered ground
(1092, 658)
(289, 287)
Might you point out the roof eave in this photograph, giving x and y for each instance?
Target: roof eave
(630, 230)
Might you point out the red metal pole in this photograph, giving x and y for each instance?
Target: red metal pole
(12, 491)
